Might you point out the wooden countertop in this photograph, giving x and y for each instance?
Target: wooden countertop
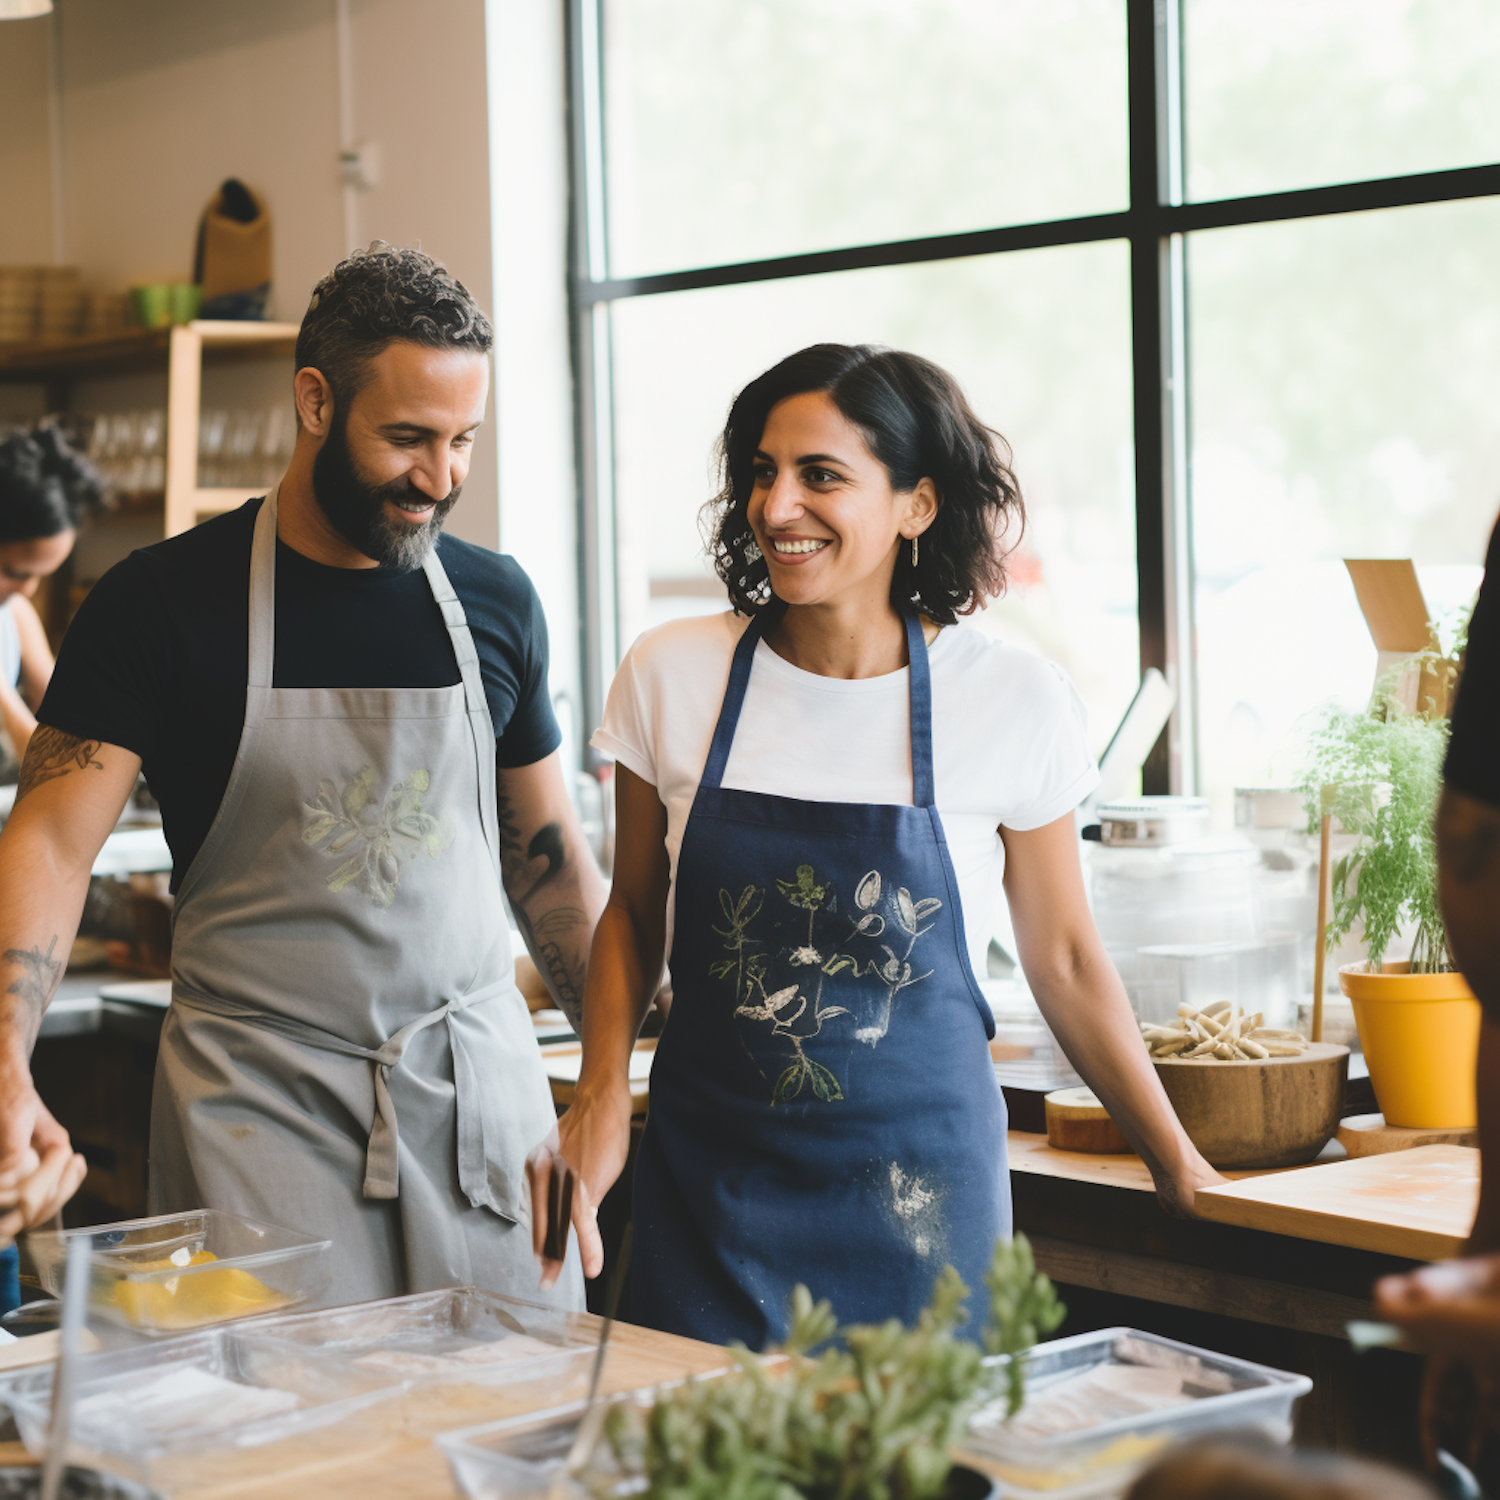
(1418, 1204)
(407, 1465)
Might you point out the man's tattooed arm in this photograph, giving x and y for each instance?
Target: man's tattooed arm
(555, 889)
(51, 754)
(34, 979)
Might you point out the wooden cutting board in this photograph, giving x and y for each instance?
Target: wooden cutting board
(1369, 1135)
(1418, 1203)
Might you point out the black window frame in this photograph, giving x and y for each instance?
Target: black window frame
(1155, 224)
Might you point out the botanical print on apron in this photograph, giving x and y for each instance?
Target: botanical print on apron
(796, 1012)
(336, 821)
(346, 1052)
(823, 1106)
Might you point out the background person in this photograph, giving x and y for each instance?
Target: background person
(817, 844)
(1453, 1309)
(344, 716)
(45, 490)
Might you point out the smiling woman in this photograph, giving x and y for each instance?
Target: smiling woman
(815, 792)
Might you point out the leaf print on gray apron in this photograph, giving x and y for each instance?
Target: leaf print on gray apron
(336, 821)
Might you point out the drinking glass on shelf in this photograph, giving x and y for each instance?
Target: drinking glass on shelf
(213, 428)
(244, 440)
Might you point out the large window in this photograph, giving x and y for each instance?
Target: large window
(1220, 274)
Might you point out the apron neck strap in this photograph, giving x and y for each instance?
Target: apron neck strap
(262, 662)
(734, 701)
(919, 679)
(263, 594)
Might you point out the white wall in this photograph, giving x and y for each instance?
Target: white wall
(25, 164)
(533, 371)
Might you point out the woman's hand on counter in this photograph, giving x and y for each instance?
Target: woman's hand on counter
(1177, 1191)
(592, 1138)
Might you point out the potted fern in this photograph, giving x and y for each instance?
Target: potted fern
(1379, 774)
(872, 1417)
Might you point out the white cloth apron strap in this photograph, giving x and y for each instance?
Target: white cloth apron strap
(382, 1158)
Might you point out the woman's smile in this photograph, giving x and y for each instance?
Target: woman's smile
(793, 550)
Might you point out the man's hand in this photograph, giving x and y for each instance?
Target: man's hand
(39, 1170)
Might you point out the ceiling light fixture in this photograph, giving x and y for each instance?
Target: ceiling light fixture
(21, 10)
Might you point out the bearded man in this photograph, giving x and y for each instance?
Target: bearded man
(344, 715)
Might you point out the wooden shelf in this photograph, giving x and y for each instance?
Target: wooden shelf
(140, 349)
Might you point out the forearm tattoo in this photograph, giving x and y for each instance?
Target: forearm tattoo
(555, 943)
(51, 754)
(40, 975)
(557, 936)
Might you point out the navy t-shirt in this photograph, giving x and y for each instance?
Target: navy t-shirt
(1473, 765)
(155, 660)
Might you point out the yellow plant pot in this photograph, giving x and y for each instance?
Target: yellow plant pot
(1420, 1034)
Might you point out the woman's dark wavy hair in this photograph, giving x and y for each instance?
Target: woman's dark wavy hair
(45, 487)
(917, 422)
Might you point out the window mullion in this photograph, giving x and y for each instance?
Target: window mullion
(1158, 352)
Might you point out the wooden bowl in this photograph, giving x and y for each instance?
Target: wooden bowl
(1273, 1112)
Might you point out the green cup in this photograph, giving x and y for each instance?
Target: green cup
(184, 299)
(153, 304)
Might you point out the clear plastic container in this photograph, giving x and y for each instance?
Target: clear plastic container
(209, 1409)
(1263, 976)
(1086, 1430)
(467, 1355)
(179, 1272)
(527, 1456)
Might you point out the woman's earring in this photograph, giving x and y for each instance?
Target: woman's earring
(914, 552)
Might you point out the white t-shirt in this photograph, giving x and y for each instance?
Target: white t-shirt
(1008, 739)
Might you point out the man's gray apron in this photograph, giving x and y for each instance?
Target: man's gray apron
(346, 1052)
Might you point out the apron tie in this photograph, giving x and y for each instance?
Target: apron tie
(383, 1153)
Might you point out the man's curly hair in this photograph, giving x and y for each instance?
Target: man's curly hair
(375, 297)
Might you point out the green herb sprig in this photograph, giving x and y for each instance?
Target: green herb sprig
(1380, 778)
(874, 1416)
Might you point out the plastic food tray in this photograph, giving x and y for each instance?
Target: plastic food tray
(461, 1336)
(209, 1409)
(1100, 1460)
(524, 1457)
(256, 1269)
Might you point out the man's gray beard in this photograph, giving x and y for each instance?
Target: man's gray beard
(405, 546)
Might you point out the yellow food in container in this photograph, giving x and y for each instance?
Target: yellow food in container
(198, 1300)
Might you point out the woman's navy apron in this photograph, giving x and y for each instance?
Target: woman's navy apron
(823, 1106)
